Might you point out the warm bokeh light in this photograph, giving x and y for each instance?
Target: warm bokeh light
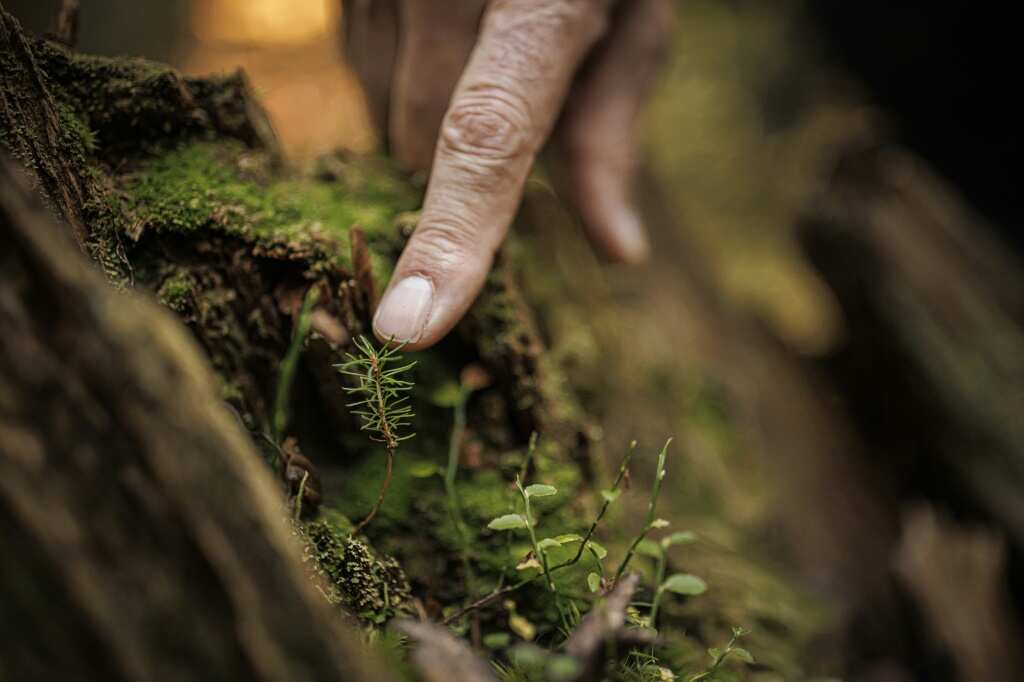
(263, 21)
(291, 51)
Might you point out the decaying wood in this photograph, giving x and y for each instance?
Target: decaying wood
(958, 577)
(602, 632)
(439, 656)
(66, 30)
(27, 105)
(144, 540)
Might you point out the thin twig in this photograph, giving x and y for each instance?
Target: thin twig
(604, 628)
(439, 656)
(301, 493)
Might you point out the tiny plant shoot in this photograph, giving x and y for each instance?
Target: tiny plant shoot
(720, 656)
(678, 583)
(383, 393)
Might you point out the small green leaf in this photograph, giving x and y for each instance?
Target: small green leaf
(568, 537)
(610, 495)
(742, 654)
(563, 667)
(548, 543)
(599, 551)
(659, 523)
(448, 394)
(649, 548)
(593, 582)
(540, 490)
(528, 656)
(497, 640)
(684, 583)
(683, 537)
(508, 522)
(715, 653)
(423, 469)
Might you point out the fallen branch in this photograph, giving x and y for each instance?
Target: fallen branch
(602, 632)
(440, 656)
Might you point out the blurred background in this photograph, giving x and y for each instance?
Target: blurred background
(835, 331)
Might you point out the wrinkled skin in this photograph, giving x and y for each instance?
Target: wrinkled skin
(470, 91)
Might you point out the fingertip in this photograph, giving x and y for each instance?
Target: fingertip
(627, 240)
(610, 221)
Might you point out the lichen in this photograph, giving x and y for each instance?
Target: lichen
(368, 586)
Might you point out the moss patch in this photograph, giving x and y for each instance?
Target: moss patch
(218, 186)
(373, 588)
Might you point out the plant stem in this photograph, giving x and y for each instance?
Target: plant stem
(299, 496)
(659, 578)
(717, 662)
(530, 449)
(454, 510)
(380, 497)
(655, 491)
(533, 536)
(289, 364)
(623, 468)
(502, 591)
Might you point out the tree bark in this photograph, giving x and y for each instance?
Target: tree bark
(141, 536)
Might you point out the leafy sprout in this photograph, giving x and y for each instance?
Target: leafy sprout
(719, 656)
(677, 583)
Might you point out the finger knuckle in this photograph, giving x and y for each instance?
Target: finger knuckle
(487, 125)
(443, 243)
(583, 20)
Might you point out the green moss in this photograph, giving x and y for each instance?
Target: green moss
(176, 292)
(136, 106)
(207, 186)
(369, 586)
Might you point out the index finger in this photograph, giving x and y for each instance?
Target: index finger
(502, 110)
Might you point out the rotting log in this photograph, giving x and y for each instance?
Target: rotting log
(140, 529)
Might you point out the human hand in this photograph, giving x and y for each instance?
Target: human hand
(471, 90)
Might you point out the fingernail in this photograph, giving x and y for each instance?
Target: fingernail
(402, 314)
(633, 244)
